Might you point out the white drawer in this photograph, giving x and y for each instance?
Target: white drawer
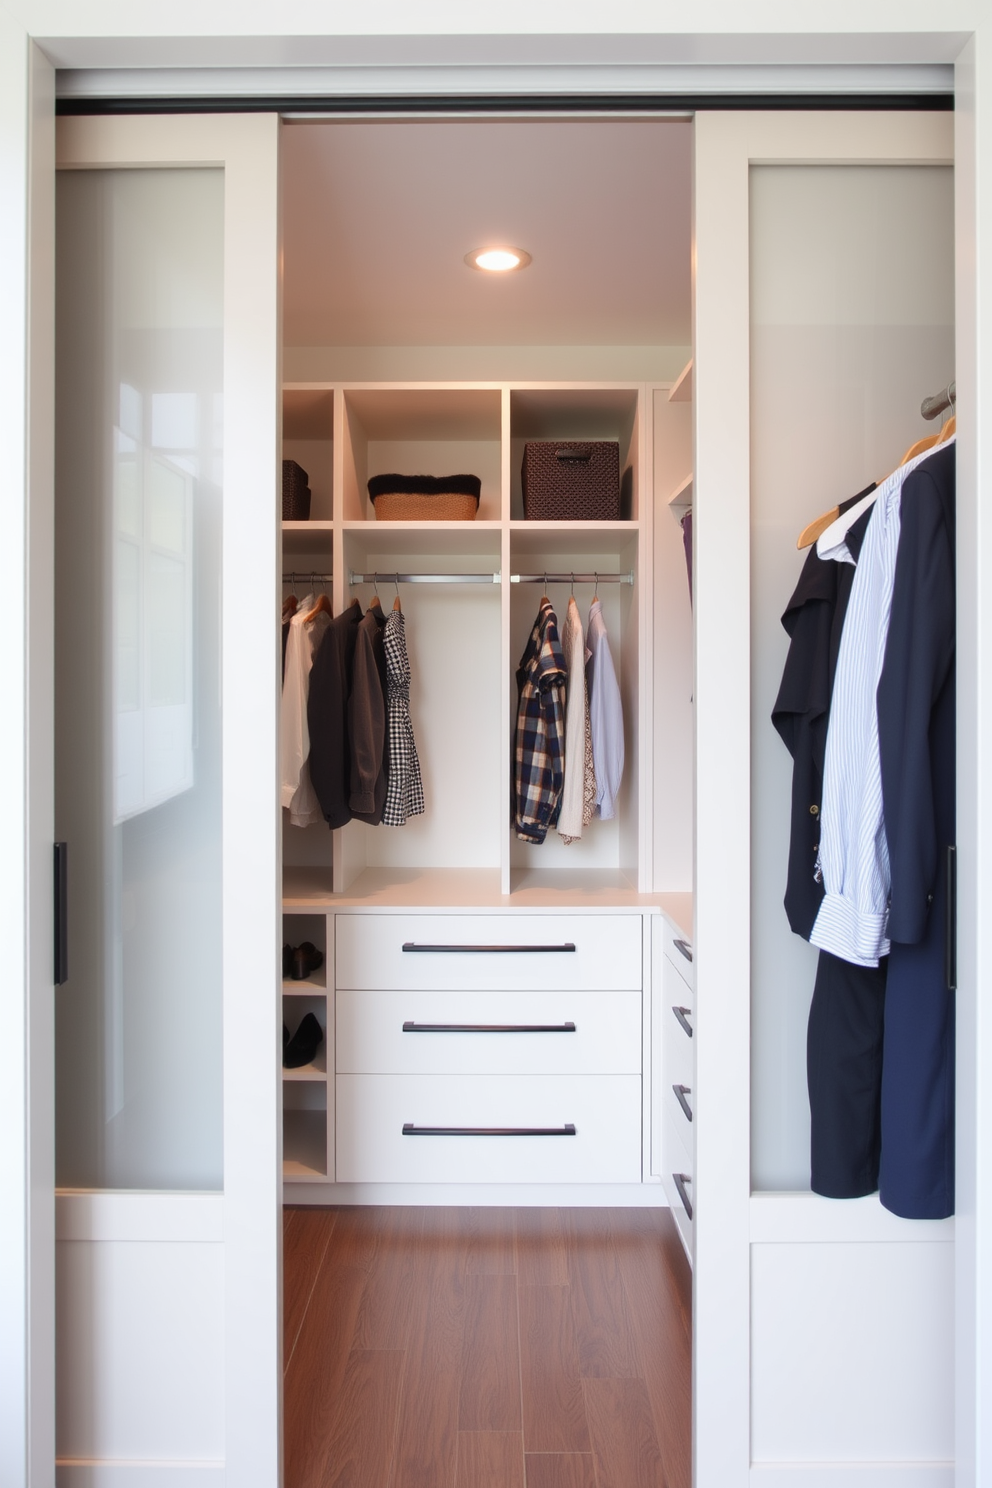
(488, 951)
(677, 1164)
(455, 1032)
(678, 1063)
(605, 1111)
(679, 951)
(679, 1099)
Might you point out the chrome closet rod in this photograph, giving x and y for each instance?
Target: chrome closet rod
(932, 408)
(573, 578)
(422, 578)
(306, 573)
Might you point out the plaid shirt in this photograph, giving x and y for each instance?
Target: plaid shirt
(540, 745)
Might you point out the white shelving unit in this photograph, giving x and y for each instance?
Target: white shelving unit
(465, 642)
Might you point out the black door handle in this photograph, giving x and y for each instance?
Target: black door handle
(60, 887)
(409, 1130)
(483, 950)
(409, 1027)
(680, 1180)
(681, 1091)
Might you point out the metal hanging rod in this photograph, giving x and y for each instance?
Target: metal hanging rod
(932, 408)
(423, 578)
(573, 578)
(308, 574)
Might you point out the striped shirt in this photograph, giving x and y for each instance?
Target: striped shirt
(854, 855)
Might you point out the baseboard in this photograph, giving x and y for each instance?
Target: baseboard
(483, 1195)
(76, 1472)
(852, 1475)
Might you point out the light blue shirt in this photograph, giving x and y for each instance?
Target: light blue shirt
(605, 714)
(854, 853)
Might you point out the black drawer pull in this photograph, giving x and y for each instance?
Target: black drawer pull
(681, 1091)
(684, 947)
(681, 1015)
(409, 1130)
(409, 1027)
(680, 1180)
(480, 950)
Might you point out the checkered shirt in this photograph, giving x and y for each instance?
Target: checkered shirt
(539, 756)
(404, 791)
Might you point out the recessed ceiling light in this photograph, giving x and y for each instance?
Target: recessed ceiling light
(497, 260)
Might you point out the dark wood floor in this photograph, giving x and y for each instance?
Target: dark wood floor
(486, 1348)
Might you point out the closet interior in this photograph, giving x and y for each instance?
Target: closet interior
(401, 359)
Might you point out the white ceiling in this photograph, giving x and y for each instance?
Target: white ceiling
(378, 216)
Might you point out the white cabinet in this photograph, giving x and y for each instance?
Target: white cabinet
(673, 1077)
(446, 934)
(496, 1048)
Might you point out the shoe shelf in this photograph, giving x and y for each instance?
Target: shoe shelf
(307, 1107)
(315, 1071)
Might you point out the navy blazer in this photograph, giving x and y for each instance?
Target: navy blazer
(916, 698)
(814, 620)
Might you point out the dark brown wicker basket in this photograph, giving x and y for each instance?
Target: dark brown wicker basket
(571, 481)
(295, 492)
(425, 498)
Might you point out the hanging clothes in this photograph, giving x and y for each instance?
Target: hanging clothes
(917, 746)
(404, 788)
(289, 609)
(880, 1053)
(297, 792)
(686, 525)
(367, 733)
(605, 714)
(852, 921)
(327, 716)
(579, 783)
(540, 737)
(813, 621)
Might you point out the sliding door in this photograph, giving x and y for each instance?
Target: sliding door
(824, 315)
(167, 1078)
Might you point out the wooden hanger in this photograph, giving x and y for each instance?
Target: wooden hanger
(812, 530)
(289, 606)
(322, 607)
(920, 447)
(951, 427)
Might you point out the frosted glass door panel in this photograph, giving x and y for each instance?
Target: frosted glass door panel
(138, 723)
(852, 315)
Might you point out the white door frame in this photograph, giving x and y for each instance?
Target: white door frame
(26, 188)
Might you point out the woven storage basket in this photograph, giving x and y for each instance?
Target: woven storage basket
(425, 498)
(295, 492)
(571, 480)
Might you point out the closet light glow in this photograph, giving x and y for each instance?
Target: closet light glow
(497, 260)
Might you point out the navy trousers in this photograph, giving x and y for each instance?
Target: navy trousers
(844, 1074)
(880, 1068)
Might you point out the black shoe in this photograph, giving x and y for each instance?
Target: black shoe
(306, 959)
(304, 1043)
(287, 961)
(285, 1037)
